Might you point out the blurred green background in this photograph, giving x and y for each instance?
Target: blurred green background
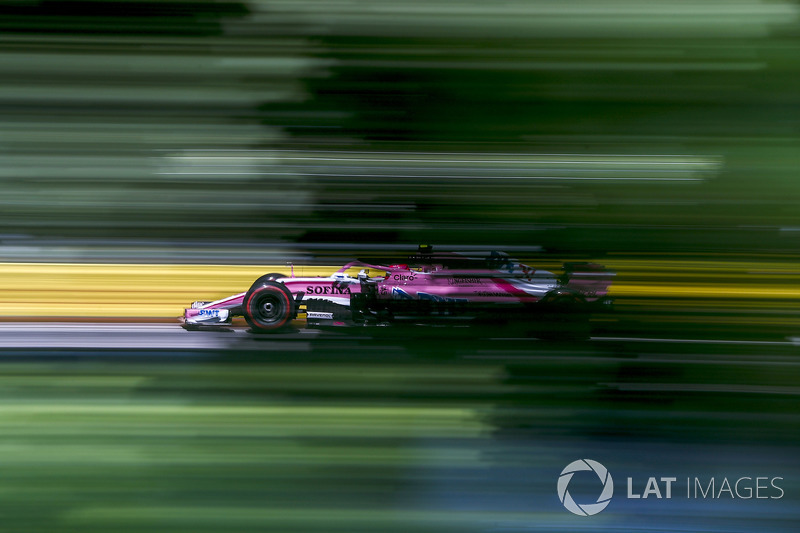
(581, 126)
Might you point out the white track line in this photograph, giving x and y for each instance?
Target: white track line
(793, 341)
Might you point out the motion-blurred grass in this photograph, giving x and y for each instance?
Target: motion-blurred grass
(335, 438)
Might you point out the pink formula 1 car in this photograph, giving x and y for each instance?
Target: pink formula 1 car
(429, 287)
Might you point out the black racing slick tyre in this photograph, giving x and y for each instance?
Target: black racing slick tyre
(565, 318)
(564, 305)
(268, 307)
(272, 276)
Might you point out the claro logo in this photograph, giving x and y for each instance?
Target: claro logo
(585, 509)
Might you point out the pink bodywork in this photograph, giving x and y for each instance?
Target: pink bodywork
(510, 283)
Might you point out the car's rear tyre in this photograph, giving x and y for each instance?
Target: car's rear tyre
(268, 307)
(565, 317)
(564, 304)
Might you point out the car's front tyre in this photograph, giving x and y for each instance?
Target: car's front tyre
(272, 276)
(268, 307)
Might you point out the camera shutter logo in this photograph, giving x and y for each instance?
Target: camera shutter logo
(587, 509)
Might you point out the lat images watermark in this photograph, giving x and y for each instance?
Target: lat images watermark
(664, 487)
(586, 509)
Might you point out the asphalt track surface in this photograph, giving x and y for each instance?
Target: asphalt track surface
(154, 336)
(396, 430)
